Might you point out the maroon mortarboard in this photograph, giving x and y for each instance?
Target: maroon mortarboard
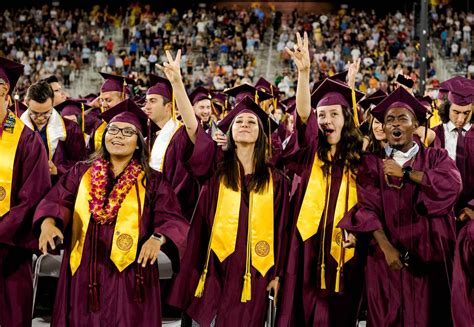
(198, 94)
(461, 90)
(267, 87)
(160, 86)
(331, 92)
(71, 107)
(139, 100)
(90, 97)
(18, 108)
(128, 112)
(248, 105)
(115, 83)
(339, 77)
(372, 99)
(400, 98)
(247, 90)
(10, 72)
(289, 101)
(426, 100)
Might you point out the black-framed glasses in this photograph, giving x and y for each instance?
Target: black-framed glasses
(127, 131)
(47, 114)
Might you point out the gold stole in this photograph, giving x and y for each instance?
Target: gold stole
(99, 132)
(435, 120)
(260, 238)
(8, 145)
(314, 208)
(127, 226)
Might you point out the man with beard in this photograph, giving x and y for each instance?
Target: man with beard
(406, 199)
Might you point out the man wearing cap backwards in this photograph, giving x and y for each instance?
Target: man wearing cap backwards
(59, 95)
(24, 181)
(406, 198)
(62, 138)
(169, 145)
(456, 135)
(114, 215)
(201, 100)
(113, 91)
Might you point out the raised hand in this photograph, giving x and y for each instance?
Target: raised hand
(300, 53)
(172, 68)
(353, 70)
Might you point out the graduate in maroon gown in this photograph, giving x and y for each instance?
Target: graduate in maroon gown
(462, 299)
(113, 91)
(406, 198)
(24, 181)
(236, 247)
(456, 135)
(63, 139)
(170, 143)
(116, 215)
(323, 282)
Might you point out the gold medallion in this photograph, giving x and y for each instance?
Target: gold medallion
(3, 193)
(124, 242)
(262, 248)
(338, 238)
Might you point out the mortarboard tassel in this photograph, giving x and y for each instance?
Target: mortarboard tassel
(247, 288)
(83, 120)
(256, 96)
(173, 108)
(16, 108)
(354, 108)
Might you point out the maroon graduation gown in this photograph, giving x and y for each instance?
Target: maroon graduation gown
(175, 173)
(303, 303)
(467, 175)
(462, 299)
(69, 151)
(417, 218)
(116, 289)
(223, 287)
(31, 181)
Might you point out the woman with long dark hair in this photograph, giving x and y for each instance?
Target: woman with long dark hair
(114, 215)
(323, 281)
(236, 250)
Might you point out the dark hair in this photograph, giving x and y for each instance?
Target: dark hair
(348, 149)
(374, 146)
(444, 112)
(40, 92)
(141, 154)
(228, 169)
(51, 79)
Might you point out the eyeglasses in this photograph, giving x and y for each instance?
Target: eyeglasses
(47, 114)
(127, 131)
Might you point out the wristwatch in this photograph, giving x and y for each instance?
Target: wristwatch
(157, 237)
(406, 173)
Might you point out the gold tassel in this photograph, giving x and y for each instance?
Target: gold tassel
(123, 89)
(354, 107)
(256, 96)
(200, 287)
(83, 118)
(338, 279)
(10, 101)
(247, 288)
(323, 275)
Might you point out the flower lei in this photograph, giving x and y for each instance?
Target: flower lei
(102, 213)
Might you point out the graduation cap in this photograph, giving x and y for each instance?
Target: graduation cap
(267, 87)
(400, 98)
(90, 97)
(10, 73)
(219, 102)
(128, 112)
(426, 100)
(248, 105)
(200, 93)
(461, 90)
(115, 83)
(73, 107)
(160, 86)
(372, 99)
(340, 77)
(247, 90)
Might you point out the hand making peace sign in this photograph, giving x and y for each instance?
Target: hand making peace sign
(300, 53)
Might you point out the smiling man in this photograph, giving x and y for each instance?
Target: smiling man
(63, 139)
(406, 201)
(456, 135)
